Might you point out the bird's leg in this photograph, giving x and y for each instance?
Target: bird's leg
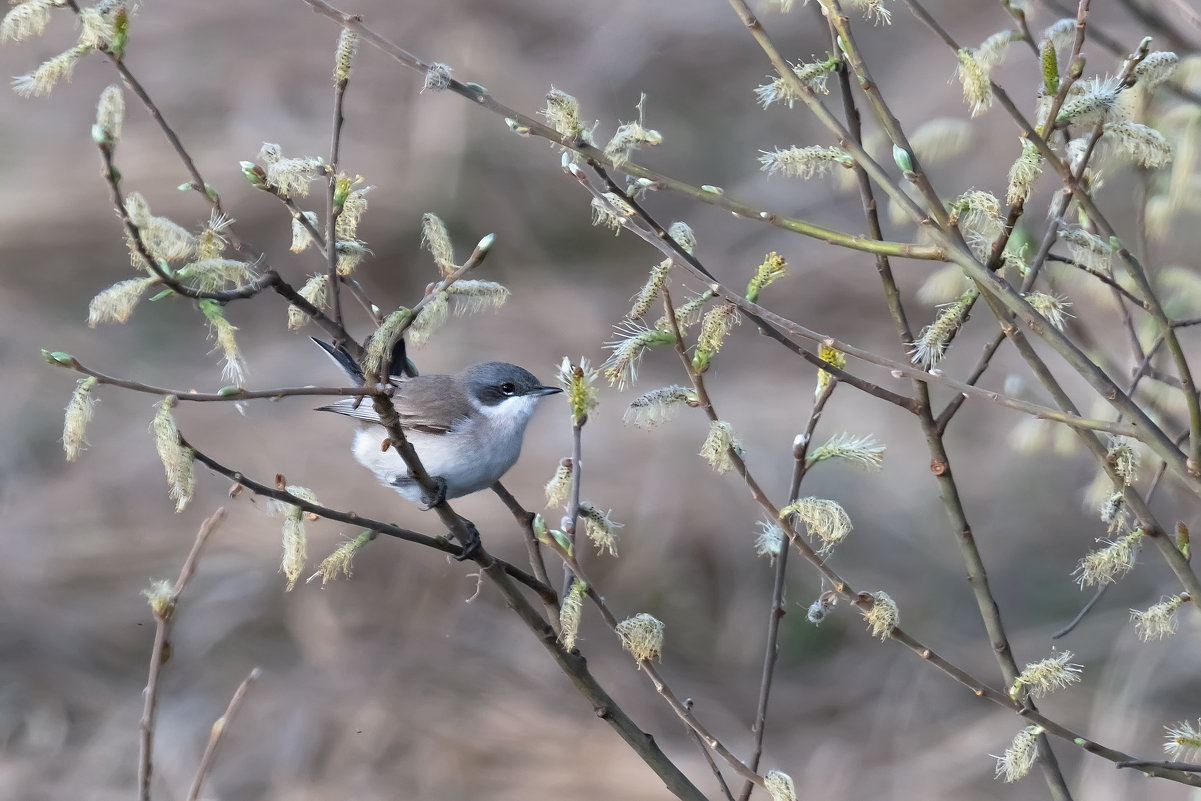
(473, 545)
(439, 494)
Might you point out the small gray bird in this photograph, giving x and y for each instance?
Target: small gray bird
(467, 428)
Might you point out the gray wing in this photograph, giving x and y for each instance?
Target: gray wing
(420, 402)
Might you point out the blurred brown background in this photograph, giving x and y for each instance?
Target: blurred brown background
(394, 685)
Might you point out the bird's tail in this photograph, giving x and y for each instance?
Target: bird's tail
(399, 368)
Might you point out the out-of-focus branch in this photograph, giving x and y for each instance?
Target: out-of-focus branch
(164, 607)
(217, 733)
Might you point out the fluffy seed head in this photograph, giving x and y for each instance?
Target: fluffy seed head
(79, 413)
(1046, 676)
(110, 113)
(717, 446)
(577, 381)
(559, 484)
(865, 452)
(650, 290)
(436, 240)
(823, 519)
(883, 615)
(600, 528)
(1020, 755)
(1051, 308)
(658, 406)
(770, 539)
(642, 636)
(176, 459)
(1156, 68)
(1107, 564)
(1158, 621)
(437, 77)
(571, 613)
(779, 786)
(562, 113)
(117, 303)
(314, 292)
(931, 346)
(1024, 173)
(348, 45)
(827, 353)
(773, 267)
(1182, 741)
(804, 162)
(341, 561)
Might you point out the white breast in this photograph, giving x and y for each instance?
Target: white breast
(470, 459)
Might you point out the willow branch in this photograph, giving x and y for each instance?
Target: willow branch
(217, 733)
(705, 194)
(164, 612)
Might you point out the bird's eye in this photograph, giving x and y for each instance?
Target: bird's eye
(508, 388)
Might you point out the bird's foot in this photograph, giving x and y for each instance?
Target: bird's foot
(439, 496)
(473, 545)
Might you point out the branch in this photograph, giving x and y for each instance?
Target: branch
(501, 574)
(164, 611)
(225, 395)
(778, 606)
(218, 732)
(711, 195)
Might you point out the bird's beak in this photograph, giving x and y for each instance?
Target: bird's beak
(540, 391)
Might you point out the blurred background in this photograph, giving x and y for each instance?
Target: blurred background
(400, 683)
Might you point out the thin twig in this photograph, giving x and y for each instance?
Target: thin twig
(784, 330)
(164, 613)
(218, 732)
(708, 755)
(778, 605)
(231, 394)
(705, 194)
(572, 518)
(502, 574)
(333, 211)
(525, 521)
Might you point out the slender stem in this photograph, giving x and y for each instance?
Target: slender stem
(163, 618)
(681, 708)
(939, 460)
(525, 520)
(706, 194)
(864, 601)
(334, 211)
(234, 394)
(785, 331)
(217, 733)
(778, 606)
(502, 575)
(708, 755)
(577, 476)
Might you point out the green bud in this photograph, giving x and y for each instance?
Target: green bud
(254, 173)
(901, 156)
(58, 358)
(225, 392)
(538, 524)
(562, 540)
(1050, 67)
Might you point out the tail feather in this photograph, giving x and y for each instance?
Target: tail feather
(342, 359)
(399, 368)
(346, 406)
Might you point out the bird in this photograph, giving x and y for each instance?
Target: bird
(467, 427)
